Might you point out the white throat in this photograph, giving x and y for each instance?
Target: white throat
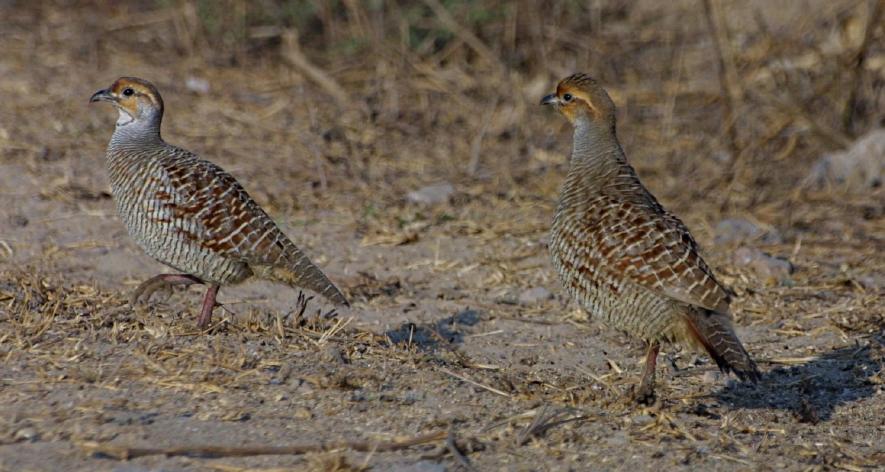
(124, 118)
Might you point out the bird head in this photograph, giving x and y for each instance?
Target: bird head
(579, 97)
(137, 100)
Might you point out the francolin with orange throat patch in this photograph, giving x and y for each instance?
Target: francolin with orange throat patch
(189, 213)
(623, 257)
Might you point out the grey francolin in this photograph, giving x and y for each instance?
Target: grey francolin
(623, 257)
(189, 213)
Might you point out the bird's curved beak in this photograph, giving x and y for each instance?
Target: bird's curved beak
(551, 99)
(102, 96)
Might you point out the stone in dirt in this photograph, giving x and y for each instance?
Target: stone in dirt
(872, 282)
(766, 266)
(432, 194)
(858, 168)
(197, 85)
(534, 295)
(711, 377)
(732, 230)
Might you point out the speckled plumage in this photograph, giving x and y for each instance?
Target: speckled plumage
(189, 213)
(621, 255)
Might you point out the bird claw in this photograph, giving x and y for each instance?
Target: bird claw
(645, 395)
(162, 282)
(146, 289)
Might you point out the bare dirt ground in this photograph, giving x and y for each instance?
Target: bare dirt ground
(444, 334)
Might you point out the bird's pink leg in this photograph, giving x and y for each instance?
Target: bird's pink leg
(151, 285)
(646, 392)
(208, 306)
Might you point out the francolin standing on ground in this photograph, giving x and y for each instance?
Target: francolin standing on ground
(189, 213)
(626, 259)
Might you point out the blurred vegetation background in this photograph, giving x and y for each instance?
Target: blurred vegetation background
(741, 96)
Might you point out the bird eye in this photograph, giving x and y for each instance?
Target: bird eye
(128, 92)
(567, 97)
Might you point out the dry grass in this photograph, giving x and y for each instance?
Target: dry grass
(330, 113)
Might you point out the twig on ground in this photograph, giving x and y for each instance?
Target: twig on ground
(456, 453)
(125, 453)
(475, 383)
(543, 421)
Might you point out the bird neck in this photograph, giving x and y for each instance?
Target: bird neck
(597, 157)
(599, 168)
(136, 133)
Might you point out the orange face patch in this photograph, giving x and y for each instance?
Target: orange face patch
(128, 91)
(573, 100)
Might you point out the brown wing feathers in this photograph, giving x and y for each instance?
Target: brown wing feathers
(235, 226)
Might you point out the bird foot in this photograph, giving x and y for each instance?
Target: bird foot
(205, 318)
(160, 282)
(145, 291)
(209, 305)
(645, 395)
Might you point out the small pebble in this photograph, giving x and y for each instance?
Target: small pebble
(19, 220)
(534, 295)
(766, 267)
(711, 377)
(871, 282)
(732, 230)
(413, 396)
(617, 438)
(857, 169)
(358, 395)
(432, 194)
(302, 413)
(334, 355)
(197, 85)
(26, 434)
(642, 420)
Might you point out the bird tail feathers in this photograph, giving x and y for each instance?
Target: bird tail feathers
(303, 274)
(714, 332)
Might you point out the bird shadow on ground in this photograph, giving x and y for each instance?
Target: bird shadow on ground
(427, 337)
(813, 390)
